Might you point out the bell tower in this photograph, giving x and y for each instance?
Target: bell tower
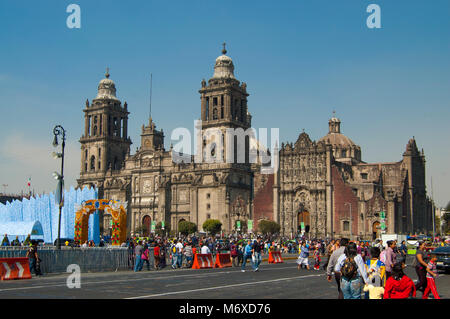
(224, 98)
(105, 143)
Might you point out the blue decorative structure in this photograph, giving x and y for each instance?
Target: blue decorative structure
(45, 210)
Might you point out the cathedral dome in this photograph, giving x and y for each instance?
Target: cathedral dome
(344, 149)
(224, 67)
(106, 88)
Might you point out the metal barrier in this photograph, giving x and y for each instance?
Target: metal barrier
(93, 259)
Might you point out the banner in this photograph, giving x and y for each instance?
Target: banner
(153, 226)
(250, 225)
(238, 225)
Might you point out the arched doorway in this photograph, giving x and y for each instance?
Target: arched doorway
(146, 222)
(375, 230)
(303, 217)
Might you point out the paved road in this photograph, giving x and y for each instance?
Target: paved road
(279, 281)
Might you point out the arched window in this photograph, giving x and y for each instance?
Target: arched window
(92, 163)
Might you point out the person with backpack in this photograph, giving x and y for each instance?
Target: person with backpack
(376, 271)
(353, 271)
(399, 286)
(338, 250)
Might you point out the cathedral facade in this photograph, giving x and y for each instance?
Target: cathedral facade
(156, 187)
(326, 186)
(322, 189)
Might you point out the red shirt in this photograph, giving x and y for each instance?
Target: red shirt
(399, 289)
(156, 251)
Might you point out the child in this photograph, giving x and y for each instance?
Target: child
(316, 255)
(374, 292)
(431, 275)
(399, 286)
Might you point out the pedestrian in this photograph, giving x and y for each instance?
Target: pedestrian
(138, 250)
(156, 255)
(257, 250)
(234, 254)
(390, 255)
(329, 251)
(188, 254)
(5, 241)
(420, 264)
(205, 249)
(302, 259)
(145, 256)
(247, 254)
(403, 252)
(316, 256)
(431, 276)
(162, 255)
(399, 286)
(338, 251)
(33, 259)
(353, 271)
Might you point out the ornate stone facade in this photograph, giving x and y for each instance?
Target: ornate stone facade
(328, 187)
(156, 188)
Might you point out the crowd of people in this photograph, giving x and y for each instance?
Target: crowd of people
(361, 269)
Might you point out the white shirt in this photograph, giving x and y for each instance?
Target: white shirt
(179, 247)
(205, 250)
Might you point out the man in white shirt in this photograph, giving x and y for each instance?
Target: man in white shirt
(179, 253)
(205, 249)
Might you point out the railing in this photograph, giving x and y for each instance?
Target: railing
(92, 259)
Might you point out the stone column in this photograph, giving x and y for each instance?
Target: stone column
(329, 195)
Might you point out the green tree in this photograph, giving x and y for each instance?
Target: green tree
(268, 227)
(212, 226)
(187, 228)
(447, 208)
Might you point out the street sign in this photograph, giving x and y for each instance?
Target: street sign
(250, 225)
(153, 226)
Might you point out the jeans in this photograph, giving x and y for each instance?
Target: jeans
(179, 260)
(257, 260)
(245, 261)
(351, 288)
(138, 265)
(32, 262)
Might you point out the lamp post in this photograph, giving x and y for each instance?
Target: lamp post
(350, 218)
(59, 130)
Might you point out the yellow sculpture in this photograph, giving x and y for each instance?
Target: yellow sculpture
(116, 209)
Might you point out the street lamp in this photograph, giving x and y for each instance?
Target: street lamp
(59, 130)
(350, 204)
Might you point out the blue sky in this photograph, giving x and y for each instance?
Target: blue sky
(300, 59)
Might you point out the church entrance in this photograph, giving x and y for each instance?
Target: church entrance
(146, 222)
(375, 230)
(303, 217)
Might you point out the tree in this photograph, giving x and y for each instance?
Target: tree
(186, 228)
(212, 226)
(268, 227)
(447, 208)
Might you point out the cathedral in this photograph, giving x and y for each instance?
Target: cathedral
(322, 189)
